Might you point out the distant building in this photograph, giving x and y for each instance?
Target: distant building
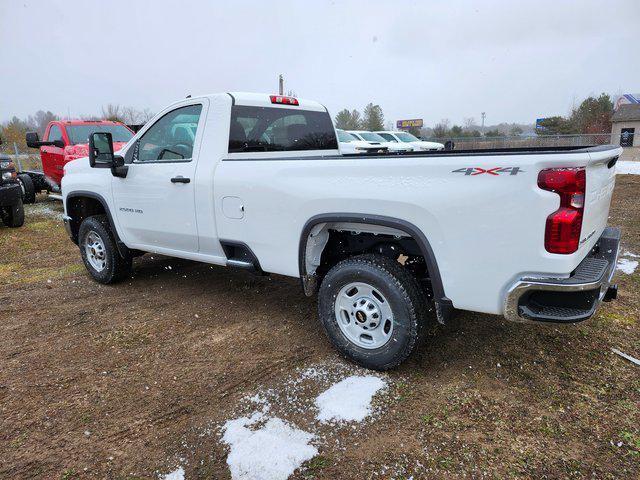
(625, 126)
(626, 99)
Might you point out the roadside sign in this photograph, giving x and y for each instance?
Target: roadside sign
(406, 124)
(539, 125)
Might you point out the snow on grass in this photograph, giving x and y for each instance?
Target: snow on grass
(627, 266)
(177, 474)
(273, 451)
(47, 209)
(628, 168)
(348, 400)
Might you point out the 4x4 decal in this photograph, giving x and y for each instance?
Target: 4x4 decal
(489, 171)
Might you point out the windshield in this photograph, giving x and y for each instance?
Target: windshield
(372, 137)
(406, 137)
(80, 133)
(345, 137)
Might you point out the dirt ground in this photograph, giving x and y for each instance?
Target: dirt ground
(129, 381)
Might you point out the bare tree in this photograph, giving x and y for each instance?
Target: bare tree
(40, 120)
(469, 123)
(125, 114)
(442, 128)
(113, 112)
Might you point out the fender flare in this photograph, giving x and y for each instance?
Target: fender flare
(444, 306)
(122, 248)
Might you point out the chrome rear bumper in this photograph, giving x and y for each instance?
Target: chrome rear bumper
(572, 299)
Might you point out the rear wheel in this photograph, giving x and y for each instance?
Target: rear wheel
(13, 215)
(373, 310)
(28, 188)
(99, 251)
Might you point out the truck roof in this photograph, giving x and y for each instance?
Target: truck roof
(87, 122)
(264, 100)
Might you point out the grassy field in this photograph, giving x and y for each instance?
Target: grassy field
(129, 381)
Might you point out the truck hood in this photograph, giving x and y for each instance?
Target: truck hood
(71, 152)
(423, 145)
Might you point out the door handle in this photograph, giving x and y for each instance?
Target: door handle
(180, 179)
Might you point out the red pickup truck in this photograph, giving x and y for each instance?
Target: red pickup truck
(65, 140)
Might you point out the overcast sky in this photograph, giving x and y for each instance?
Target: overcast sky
(515, 60)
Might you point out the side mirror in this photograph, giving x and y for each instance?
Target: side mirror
(101, 154)
(101, 150)
(33, 140)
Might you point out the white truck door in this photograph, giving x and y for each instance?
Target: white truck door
(154, 204)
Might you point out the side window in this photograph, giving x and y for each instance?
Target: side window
(171, 138)
(54, 133)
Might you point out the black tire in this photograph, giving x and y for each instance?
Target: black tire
(13, 215)
(405, 297)
(116, 267)
(28, 188)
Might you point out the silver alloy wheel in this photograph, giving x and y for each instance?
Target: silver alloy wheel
(364, 315)
(94, 249)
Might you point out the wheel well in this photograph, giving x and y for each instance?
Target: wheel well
(79, 208)
(330, 238)
(330, 243)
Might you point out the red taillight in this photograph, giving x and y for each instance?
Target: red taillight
(562, 234)
(284, 100)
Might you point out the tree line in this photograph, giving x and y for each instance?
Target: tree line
(14, 130)
(372, 119)
(593, 115)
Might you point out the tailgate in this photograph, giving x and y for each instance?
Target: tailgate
(601, 173)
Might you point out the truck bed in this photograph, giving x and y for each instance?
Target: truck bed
(480, 152)
(492, 151)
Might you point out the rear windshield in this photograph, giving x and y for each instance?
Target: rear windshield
(80, 133)
(265, 129)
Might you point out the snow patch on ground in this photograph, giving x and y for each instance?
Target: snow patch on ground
(177, 474)
(348, 400)
(47, 209)
(273, 451)
(627, 266)
(278, 428)
(628, 168)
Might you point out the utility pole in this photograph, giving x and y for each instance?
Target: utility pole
(483, 114)
(280, 85)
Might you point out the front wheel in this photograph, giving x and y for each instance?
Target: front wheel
(99, 251)
(373, 311)
(13, 215)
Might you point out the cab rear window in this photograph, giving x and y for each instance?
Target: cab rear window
(266, 129)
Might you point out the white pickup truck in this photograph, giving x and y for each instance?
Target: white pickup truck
(257, 182)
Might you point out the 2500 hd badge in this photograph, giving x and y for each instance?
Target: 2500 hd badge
(130, 210)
